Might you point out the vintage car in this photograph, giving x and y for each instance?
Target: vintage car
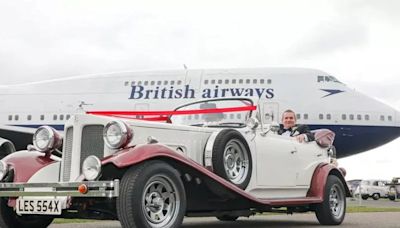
(210, 158)
(372, 188)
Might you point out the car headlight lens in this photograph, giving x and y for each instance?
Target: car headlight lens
(3, 169)
(117, 134)
(46, 138)
(91, 168)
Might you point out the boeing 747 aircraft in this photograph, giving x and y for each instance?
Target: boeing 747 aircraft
(320, 100)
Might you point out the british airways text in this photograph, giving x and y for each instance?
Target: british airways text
(140, 92)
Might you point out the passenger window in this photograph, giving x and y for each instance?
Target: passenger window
(213, 82)
(231, 116)
(390, 118)
(358, 117)
(298, 116)
(320, 79)
(126, 83)
(139, 83)
(172, 82)
(238, 116)
(366, 117)
(152, 83)
(133, 83)
(254, 81)
(261, 81)
(226, 81)
(351, 117)
(219, 81)
(321, 116)
(159, 82)
(9, 117)
(305, 116)
(41, 117)
(29, 117)
(328, 116)
(146, 83)
(61, 117)
(179, 82)
(233, 81)
(343, 116)
(16, 117)
(247, 81)
(269, 81)
(67, 117)
(54, 117)
(240, 81)
(205, 82)
(382, 118)
(165, 82)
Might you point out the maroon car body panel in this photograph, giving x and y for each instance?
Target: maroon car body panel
(25, 164)
(131, 156)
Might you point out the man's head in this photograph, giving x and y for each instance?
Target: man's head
(288, 119)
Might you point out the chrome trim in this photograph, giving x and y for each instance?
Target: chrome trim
(96, 189)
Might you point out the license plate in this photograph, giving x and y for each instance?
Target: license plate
(39, 206)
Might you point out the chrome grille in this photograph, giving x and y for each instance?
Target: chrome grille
(92, 142)
(67, 153)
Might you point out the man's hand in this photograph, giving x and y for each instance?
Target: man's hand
(301, 138)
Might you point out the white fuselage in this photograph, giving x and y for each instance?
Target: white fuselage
(319, 100)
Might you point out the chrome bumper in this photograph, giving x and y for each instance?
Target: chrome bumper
(107, 189)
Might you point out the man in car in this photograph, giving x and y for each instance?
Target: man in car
(291, 129)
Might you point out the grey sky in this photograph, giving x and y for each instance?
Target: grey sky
(357, 41)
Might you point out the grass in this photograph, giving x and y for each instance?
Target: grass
(61, 221)
(359, 209)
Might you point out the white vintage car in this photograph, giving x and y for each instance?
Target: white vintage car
(211, 158)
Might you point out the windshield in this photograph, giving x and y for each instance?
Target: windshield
(214, 113)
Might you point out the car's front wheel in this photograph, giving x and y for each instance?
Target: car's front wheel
(9, 219)
(152, 195)
(333, 209)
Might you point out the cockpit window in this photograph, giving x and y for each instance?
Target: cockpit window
(327, 78)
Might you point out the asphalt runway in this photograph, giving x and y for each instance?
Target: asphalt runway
(379, 219)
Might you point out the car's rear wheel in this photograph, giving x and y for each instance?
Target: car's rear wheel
(333, 209)
(9, 219)
(231, 158)
(375, 196)
(364, 197)
(152, 195)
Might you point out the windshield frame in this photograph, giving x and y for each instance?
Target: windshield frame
(239, 99)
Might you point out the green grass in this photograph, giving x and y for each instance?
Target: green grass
(61, 221)
(358, 209)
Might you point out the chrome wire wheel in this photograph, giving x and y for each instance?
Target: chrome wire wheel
(236, 161)
(336, 201)
(160, 201)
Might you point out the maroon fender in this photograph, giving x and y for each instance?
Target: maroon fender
(26, 163)
(134, 155)
(319, 178)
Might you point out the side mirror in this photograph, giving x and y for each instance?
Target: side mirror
(274, 127)
(252, 123)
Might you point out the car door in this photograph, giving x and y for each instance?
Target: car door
(309, 155)
(276, 160)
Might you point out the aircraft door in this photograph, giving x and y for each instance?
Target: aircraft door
(270, 112)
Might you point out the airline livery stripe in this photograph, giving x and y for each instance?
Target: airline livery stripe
(178, 112)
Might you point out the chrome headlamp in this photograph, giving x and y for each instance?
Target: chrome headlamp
(91, 168)
(3, 169)
(117, 134)
(46, 139)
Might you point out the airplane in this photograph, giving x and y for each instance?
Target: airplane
(320, 100)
